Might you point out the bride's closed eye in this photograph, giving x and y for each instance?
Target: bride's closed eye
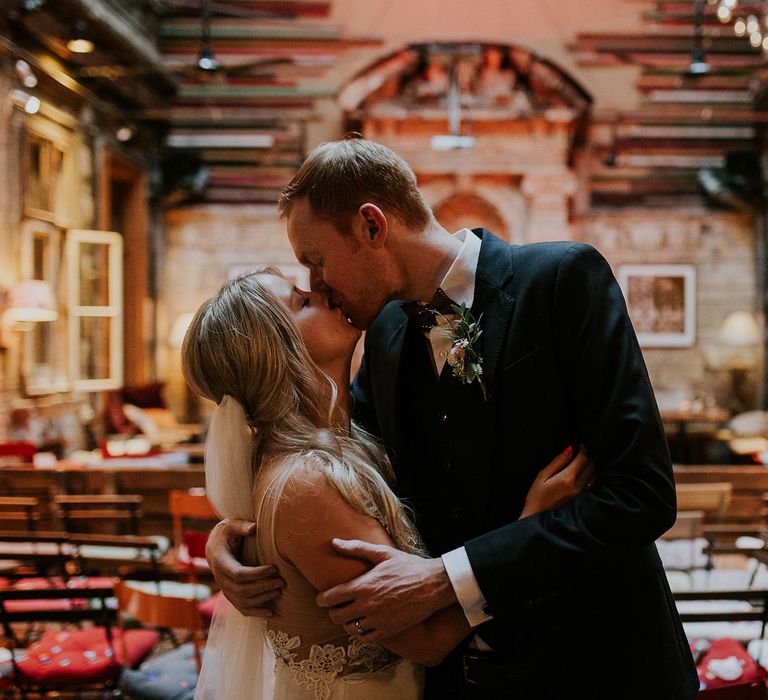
(300, 299)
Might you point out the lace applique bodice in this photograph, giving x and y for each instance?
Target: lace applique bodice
(324, 663)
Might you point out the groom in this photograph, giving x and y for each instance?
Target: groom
(571, 602)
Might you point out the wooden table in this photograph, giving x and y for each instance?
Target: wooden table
(681, 420)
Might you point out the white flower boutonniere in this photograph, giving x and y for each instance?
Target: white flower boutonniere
(464, 356)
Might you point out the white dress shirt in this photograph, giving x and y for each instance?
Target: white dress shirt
(459, 285)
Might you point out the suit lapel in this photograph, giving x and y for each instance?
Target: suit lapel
(388, 380)
(494, 271)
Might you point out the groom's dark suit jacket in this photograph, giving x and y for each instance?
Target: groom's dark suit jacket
(578, 594)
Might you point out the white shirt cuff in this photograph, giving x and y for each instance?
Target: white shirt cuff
(465, 586)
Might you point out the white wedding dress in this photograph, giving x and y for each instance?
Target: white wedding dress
(299, 654)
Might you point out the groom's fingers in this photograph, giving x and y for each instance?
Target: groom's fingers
(373, 553)
(334, 597)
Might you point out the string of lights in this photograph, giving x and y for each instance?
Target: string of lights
(746, 23)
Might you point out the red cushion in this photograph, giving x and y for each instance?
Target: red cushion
(18, 448)
(750, 684)
(83, 657)
(206, 607)
(195, 543)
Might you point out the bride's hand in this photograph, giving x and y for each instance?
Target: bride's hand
(564, 478)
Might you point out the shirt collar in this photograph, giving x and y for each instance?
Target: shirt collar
(459, 281)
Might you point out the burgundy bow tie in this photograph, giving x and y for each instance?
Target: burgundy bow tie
(425, 315)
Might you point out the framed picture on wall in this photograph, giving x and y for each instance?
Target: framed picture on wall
(662, 303)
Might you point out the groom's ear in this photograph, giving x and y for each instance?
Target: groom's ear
(372, 223)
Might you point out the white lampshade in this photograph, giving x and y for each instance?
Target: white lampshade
(739, 330)
(32, 300)
(179, 330)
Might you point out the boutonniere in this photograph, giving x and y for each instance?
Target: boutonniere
(464, 356)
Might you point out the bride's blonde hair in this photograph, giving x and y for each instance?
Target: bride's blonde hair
(245, 343)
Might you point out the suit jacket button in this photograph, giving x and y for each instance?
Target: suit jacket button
(447, 464)
(455, 512)
(443, 417)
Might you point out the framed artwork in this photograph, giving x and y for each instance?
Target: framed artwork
(662, 303)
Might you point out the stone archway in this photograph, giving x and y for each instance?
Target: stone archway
(468, 210)
(520, 113)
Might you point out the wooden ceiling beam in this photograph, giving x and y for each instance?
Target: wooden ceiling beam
(120, 30)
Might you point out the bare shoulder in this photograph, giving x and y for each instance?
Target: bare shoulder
(309, 495)
(311, 512)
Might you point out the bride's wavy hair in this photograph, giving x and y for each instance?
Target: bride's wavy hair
(245, 343)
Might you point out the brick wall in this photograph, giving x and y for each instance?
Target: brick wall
(205, 243)
(721, 247)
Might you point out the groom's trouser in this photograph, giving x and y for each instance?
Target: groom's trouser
(470, 675)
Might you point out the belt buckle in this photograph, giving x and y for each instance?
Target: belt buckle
(465, 658)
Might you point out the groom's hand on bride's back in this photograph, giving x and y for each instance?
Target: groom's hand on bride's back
(253, 590)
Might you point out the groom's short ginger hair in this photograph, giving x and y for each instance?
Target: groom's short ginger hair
(339, 176)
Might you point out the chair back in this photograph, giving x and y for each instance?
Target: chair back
(160, 611)
(86, 512)
(20, 509)
(26, 481)
(712, 498)
(80, 605)
(192, 505)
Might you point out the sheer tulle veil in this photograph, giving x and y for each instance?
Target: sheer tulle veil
(238, 662)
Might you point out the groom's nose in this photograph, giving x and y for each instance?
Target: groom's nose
(319, 298)
(317, 284)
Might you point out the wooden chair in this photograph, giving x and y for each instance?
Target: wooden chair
(191, 505)
(710, 614)
(36, 553)
(20, 509)
(172, 669)
(67, 656)
(25, 481)
(79, 513)
(161, 612)
(712, 499)
(116, 555)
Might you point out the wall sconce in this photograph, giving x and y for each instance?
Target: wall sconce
(31, 301)
(29, 103)
(80, 42)
(28, 302)
(740, 337)
(125, 132)
(25, 74)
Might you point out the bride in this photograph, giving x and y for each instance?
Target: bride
(281, 451)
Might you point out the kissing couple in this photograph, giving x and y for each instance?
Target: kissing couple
(475, 516)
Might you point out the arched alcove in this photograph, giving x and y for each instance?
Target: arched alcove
(469, 210)
(520, 116)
